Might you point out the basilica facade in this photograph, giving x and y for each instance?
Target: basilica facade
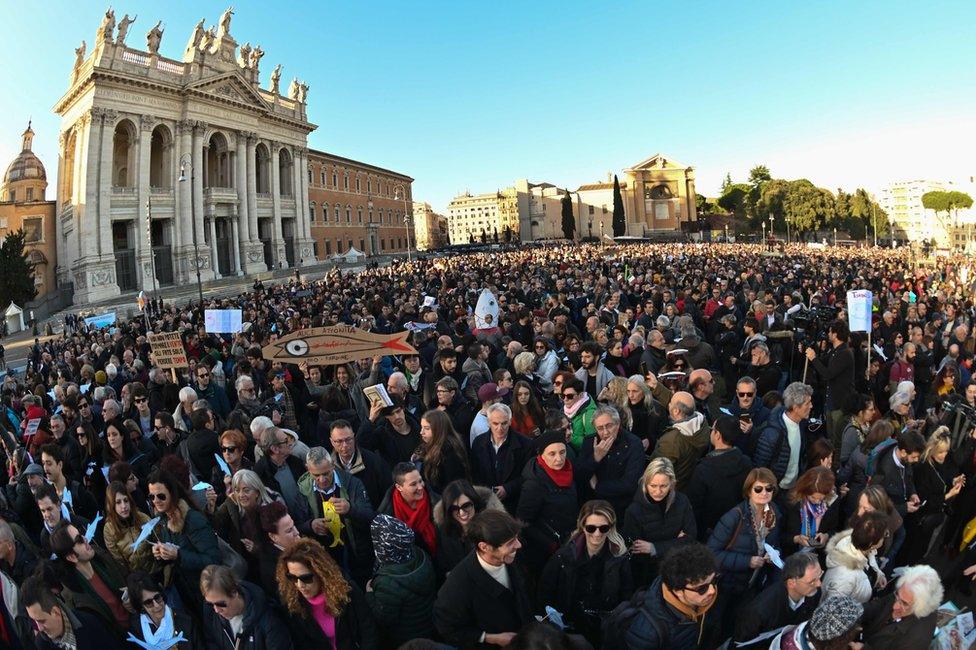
(169, 166)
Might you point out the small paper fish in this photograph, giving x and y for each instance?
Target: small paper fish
(201, 486)
(555, 617)
(333, 522)
(159, 645)
(92, 527)
(147, 529)
(224, 467)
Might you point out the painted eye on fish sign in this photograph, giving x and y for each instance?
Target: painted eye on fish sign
(297, 347)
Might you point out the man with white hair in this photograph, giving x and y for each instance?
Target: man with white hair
(185, 407)
(111, 410)
(262, 422)
(499, 456)
(398, 385)
(905, 618)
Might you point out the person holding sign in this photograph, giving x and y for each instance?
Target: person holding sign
(839, 369)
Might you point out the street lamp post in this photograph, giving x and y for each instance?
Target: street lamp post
(726, 233)
(891, 230)
(589, 227)
(369, 228)
(874, 223)
(835, 236)
(400, 192)
(601, 232)
(764, 233)
(185, 161)
(152, 256)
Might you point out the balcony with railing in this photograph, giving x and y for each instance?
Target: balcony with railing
(220, 195)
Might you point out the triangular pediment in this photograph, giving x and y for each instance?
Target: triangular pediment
(229, 86)
(658, 161)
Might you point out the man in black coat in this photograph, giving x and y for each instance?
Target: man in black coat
(894, 470)
(789, 601)
(611, 462)
(485, 601)
(57, 624)
(369, 467)
(498, 457)
(203, 442)
(716, 483)
(391, 432)
(839, 371)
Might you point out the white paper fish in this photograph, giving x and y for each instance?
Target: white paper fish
(159, 645)
(486, 311)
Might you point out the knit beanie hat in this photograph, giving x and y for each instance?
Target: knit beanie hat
(834, 617)
(392, 540)
(550, 437)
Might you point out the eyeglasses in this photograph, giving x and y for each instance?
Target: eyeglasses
(159, 496)
(746, 394)
(701, 590)
(153, 600)
(592, 528)
(84, 406)
(569, 396)
(228, 450)
(283, 443)
(759, 489)
(141, 400)
(467, 506)
(342, 442)
(305, 578)
(203, 374)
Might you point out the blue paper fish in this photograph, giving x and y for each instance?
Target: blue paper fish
(160, 645)
(224, 467)
(92, 527)
(555, 617)
(201, 486)
(147, 529)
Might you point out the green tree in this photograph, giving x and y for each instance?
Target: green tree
(619, 219)
(727, 182)
(735, 201)
(701, 204)
(770, 203)
(16, 272)
(568, 220)
(948, 202)
(758, 177)
(806, 206)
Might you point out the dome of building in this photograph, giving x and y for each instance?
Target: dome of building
(26, 166)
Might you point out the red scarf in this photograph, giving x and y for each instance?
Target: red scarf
(561, 477)
(419, 519)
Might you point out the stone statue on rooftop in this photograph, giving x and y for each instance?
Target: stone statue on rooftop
(108, 25)
(124, 29)
(276, 80)
(154, 37)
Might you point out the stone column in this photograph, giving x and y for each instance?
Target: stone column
(143, 244)
(280, 260)
(240, 224)
(213, 246)
(205, 261)
(182, 249)
(236, 259)
(308, 250)
(253, 249)
(104, 216)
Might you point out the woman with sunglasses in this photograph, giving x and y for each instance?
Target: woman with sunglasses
(123, 521)
(649, 420)
(740, 536)
(183, 540)
(860, 408)
(326, 610)
(237, 615)
(659, 519)
(441, 453)
(460, 502)
(590, 574)
(154, 620)
(938, 481)
(579, 408)
(528, 418)
(546, 361)
(233, 444)
(813, 514)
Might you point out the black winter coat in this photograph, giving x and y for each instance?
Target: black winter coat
(263, 628)
(768, 611)
(716, 486)
(355, 628)
(548, 511)
(617, 474)
(660, 524)
(503, 468)
(471, 602)
(91, 633)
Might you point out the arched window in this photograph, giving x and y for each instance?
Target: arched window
(285, 169)
(348, 214)
(218, 173)
(311, 211)
(262, 169)
(359, 214)
(123, 154)
(338, 210)
(161, 158)
(660, 192)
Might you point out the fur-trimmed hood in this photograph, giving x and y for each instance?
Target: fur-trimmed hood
(842, 553)
(491, 501)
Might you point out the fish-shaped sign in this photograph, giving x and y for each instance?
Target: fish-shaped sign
(224, 467)
(486, 311)
(334, 345)
(164, 644)
(147, 529)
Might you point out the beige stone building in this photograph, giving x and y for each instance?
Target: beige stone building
(902, 202)
(430, 228)
(23, 205)
(172, 165)
(658, 195)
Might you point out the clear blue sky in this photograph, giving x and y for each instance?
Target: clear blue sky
(472, 95)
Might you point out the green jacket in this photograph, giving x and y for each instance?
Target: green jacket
(582, 424)
(402, 598)
(355, 522)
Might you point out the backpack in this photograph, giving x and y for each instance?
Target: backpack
(874, 454)
(616, 625)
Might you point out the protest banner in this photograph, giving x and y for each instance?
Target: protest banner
(167, 349)
(222, 321)
(859, 310)
(102, 320)
(334, 345)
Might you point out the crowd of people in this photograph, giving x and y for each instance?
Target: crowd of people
(652, 446)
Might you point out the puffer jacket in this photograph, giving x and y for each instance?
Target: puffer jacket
(402, 598)
(582, 423)
(682, 632)
(549, 512)
(845, 569)
(560, 587)
(659, 524)
(734, 550)
(773, 447)
(684, 443)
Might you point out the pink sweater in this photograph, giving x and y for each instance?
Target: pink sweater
(322, 616)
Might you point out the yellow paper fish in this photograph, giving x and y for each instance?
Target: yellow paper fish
(333, 522)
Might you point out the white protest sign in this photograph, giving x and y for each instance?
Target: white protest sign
(859, 310)
(222, 321)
